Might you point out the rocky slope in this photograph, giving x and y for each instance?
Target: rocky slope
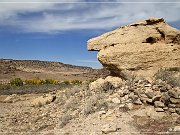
(141, 47)
(29, 69)
(106, 106)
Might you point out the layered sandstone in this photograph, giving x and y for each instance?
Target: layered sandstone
(142, 47)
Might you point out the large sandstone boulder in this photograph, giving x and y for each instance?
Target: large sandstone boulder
(142, 47)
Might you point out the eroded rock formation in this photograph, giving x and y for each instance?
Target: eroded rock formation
(142, 47)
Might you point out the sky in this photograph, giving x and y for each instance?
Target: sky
(58, 30)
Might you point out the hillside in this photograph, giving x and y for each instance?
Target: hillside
(28, 69)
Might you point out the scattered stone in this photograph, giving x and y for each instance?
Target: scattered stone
(165, 98)
(163, 89)
(159, 104)
(149, 93)
(109, 128)
(156, 98)
(148, 85)
(175, 101)
(178, 111)
(133, 97)
(116, 101)
(173, 94)
(177, 129)
(159, 110)
(138, 102)
(43, 100)
(172, 110)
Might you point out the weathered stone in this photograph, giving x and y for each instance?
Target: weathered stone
(163, 89)
(149, 93)
(165, 98)
(43, 100)
(138, 102)
(156, 98)
(143, 47)
(115, 81)
(159, 104)
(176, 129)
(172, 105)
(133, 97)
(175, 101)
(178, 111)
(172, 110)
(148, 85)
(109, 128)
(159, 110)
(10, 99)
(173, 93)
(116, 101)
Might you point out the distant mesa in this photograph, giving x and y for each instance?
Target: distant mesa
(142, 48)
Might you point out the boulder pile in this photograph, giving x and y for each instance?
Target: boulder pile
(157, 93)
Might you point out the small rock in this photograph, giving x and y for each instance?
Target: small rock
(165, 108)
(109, 128)
(116, 101)
(159, 104)
(149, 101)
(130, 106)
(178, 111)
(177, 128)
(138, 102)
(148, 85)
(163, 89)
(171, 105)
(149, 93)
(102, 112)
(156, 98)
(159, 110)
(172, 110)
(133, 97)
(173, 94)
(165, 98)
(175, 101)
(43, 100)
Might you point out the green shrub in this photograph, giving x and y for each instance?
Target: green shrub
(38, 81)
(76, 82)
(67, 82)
(16, 82)
(50, 81)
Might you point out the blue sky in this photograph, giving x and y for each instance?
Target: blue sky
(58, 30)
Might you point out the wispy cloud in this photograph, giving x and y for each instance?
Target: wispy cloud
(59, 17)
(88, 61)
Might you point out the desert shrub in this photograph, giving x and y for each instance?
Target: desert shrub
(76, 82)
(35, 81)
(72, 104)
(16, 82)
(64, 120)
(95, 103)
(51, 81)
(5, 86)
(67, 82)
(38, 81)
(169, 75)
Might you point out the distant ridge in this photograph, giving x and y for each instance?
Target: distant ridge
(28, 69)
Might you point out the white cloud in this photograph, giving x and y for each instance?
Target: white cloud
(88, 61)
(55, 17)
